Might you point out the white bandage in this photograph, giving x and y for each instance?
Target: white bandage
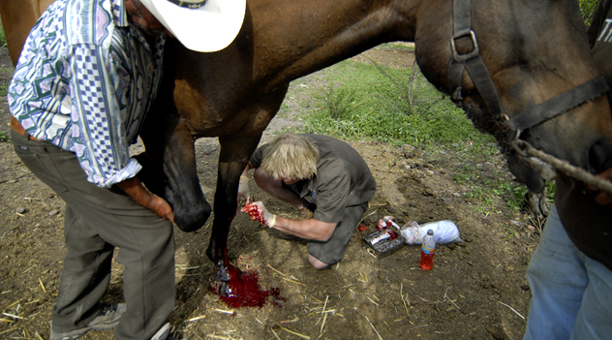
(272, 221)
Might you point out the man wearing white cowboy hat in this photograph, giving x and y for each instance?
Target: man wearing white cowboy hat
(84, 81)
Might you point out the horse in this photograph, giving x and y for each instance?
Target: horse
(521, 70)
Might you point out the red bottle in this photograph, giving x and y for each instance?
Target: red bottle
(428, 248)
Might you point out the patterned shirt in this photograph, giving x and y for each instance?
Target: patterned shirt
(84, 81)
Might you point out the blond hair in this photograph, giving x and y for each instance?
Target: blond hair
(290, 157)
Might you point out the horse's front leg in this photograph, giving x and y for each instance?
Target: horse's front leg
(234, 156)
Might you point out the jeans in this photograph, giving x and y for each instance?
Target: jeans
(572, 293)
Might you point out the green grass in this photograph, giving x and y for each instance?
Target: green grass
(360, 97)
(397, 46)
(372, 102)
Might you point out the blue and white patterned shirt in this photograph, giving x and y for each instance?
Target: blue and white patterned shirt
(84, 81)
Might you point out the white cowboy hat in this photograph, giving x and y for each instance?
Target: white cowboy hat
(200, 25)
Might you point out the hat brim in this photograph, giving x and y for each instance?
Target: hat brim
(209, 28)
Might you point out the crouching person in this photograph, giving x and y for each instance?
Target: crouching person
(315, 174)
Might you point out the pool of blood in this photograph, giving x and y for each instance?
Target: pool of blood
(244, 290)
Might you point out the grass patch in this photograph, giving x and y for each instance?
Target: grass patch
(398, 46)
(373, 102)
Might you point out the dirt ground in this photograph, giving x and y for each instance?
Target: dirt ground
(476, 290)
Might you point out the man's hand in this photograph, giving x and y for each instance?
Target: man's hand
(243, 190)
(133, 187)
(159, 206)
(602, 198)
(259, 213)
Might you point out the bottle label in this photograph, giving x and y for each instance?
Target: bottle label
(427, 250)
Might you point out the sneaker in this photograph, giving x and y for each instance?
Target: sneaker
(108, 318)
(163, 333)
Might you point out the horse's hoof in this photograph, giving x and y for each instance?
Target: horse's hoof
(222, 288)
(222, 273)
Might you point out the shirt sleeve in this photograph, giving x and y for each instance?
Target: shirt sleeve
(99, 136)
(257, 157)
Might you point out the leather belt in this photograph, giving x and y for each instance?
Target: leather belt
(15, 125)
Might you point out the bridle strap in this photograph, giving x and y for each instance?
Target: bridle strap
(471, 61)
(478, 72)
(559, 104)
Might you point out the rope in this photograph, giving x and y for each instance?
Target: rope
(568, 169)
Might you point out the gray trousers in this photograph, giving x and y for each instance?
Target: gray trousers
(333, 250)
(96, 221)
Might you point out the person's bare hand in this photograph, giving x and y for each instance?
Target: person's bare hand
(602, 198)
(133, 187)
(159, 206)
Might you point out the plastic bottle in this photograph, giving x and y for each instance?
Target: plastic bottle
(428, 248)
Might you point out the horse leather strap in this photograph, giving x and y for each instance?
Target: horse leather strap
(471, 61)
(559, 104)
(478, 72)
(15, 125)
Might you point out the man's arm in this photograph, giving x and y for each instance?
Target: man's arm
(247, 168)
(243, 186)
(310, 229)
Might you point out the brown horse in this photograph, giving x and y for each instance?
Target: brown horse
(507, 63)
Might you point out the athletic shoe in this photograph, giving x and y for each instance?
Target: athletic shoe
(163, 333)
(108, 318)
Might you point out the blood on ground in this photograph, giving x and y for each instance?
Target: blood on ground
(244, 290)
